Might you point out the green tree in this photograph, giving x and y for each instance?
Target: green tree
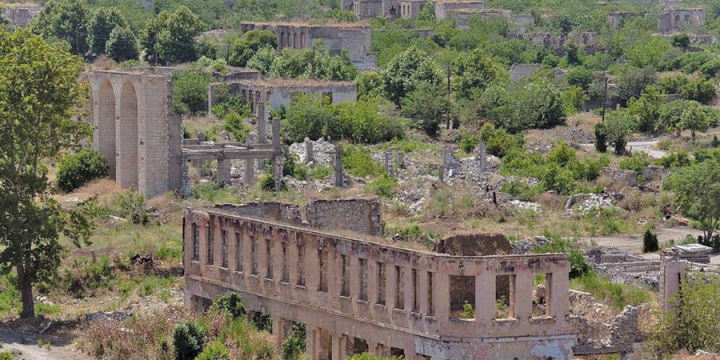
(39, 101)
(475, 71)
(149, 36)
(263, 60)
(369, 85)
(697, 190)
(700, 90)
(619, 128)
(427, 105)
(64, 20)
(694, 118)
(247, 45)
(176, 41)
(406, 71)
(538, 104)
(681, 41)
(307, 117)
(694, 321)
(580, 76)
(646, 108)
(600, 137)
(650, 242)
(122, 45)
(101, 24)
(427, 12)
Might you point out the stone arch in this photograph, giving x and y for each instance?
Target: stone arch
(127, 143)
(104, 121)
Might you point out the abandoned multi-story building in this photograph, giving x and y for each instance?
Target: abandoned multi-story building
(364, 295)
(336, 37)
(674, 18)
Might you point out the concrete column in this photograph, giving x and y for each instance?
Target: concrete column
(203, 244)
(312, 264)
(247, 248)
(232, 249)
(339, 344)
(442, 300)
(339, 172)
(559, 305)
(311, 342)
(391, 286)
(223, 171)
(293, 260)
(373, 284)
(485, 298)
(277, 164)
(354, 276)
(278, 330)
(309, 156)
(249, 166)
(262, 126)
(523, 294)
(409, 289)
(423, 291)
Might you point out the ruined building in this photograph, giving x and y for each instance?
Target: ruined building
(674, 18)
(21, 14)
(357, 294)
(141, 137)
(136, 129)
(352, 37)
(280, 92)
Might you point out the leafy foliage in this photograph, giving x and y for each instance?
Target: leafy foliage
(39, 91)
(427, 105)
(697, 189)
(406, 71)
(79, 168)
(650, 242)
(64, 20)
(122, 45)
(101, 24)
(693, 320)
(246, 46)
(169, 38)
(188, 340)
(190, 90)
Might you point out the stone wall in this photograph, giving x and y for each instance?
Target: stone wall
(20, 15)
(287, 213)
(362, 216)
(278, 93)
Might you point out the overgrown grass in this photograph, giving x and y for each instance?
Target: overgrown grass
(321, 172)
(615, 295)
(213, 193)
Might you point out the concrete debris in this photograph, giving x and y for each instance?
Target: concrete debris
(589, 202)
(108, 315)
(527, 245)
(321, 154)
(525, 205)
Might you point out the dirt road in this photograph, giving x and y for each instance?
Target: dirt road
(27, 344)
(633, 243)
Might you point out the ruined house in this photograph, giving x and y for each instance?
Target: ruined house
(336, 37)
(21, 14)
(276, 93)
(674, 18)
(367, 9)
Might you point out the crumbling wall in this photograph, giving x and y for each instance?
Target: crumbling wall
(286, 213)
(362, 216)
(463, 288)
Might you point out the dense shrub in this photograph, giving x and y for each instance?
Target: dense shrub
(382, 186)
(314, 117)
(675, 160)
(650, 242)
(235, 126)
(79, 168)
(636, 162)
(499, 143)
(230, 303)
(358, 161)
(131, 206)
(267, 183)
(468, 143)
(579, 265)
(293, 347)
(188, 340)
(190, 93)
(214, 351)
(600, 138)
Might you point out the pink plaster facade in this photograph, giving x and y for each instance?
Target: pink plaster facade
(393, 301)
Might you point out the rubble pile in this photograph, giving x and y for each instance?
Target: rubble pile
(584, 203)
(691, 252)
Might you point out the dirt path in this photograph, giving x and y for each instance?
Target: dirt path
(633, 243)
(28, 345)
